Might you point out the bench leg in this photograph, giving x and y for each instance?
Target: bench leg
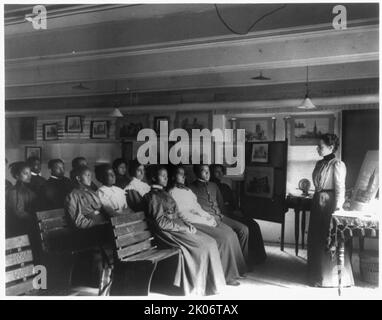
(132, 278)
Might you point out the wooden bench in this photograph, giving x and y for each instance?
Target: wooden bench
(134, 246)
(62, 244)
(20, 271)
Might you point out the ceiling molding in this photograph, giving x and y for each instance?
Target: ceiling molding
(254, 38)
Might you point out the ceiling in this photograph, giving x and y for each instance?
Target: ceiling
(185, 50)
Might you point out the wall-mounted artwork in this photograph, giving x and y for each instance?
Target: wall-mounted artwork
(32, 151)
(260, 153)
(99, 129)
(73, 124)
(189, 120)
(50, 131)
(129, 126)
(306, 130)
(256, 129)
(367, 184)
(157, 121)
(259, 182)
(27, 130)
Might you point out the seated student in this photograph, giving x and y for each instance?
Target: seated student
(37, 182)
(76, 163)
(57, 187)
(120, 170)
(136, 189)
(210, 199)
(113, 199)
(21, 206)
(231, 208)
(200, 271)
(227, 241)
(82, 204)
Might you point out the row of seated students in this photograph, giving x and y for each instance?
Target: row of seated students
(218, 244)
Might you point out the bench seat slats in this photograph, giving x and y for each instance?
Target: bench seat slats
(20, 288)
(133, 228)
(20, 273)
(56, 223)
(17, 242)
(153, 255)
(127, 218)
(132, 238)
(18, 258)
(136, 248)
(50, 214)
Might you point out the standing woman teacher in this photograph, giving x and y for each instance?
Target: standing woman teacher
(329, 180)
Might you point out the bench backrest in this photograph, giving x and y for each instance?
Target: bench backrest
(19, 266)
(132, 235)
(55, 231)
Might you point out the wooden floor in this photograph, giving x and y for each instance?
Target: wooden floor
(283, 276)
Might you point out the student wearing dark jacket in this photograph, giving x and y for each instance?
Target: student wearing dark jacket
(76, 163)
(57, 187)
(37, 182)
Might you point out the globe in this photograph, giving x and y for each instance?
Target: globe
(304, 186)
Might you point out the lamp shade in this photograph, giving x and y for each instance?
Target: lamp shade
(116, 113)
(307, 104)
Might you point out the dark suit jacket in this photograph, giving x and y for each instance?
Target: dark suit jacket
(54, 193)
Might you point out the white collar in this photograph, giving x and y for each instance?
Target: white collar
(157, 186)
(35, 174)
(54, 177)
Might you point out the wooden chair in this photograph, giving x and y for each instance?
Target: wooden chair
(134, 247)
(62, 244)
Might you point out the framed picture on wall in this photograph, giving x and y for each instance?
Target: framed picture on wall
(129, 126)
(259, 182)
(99, 129)
(157, 121)
(256, 129)
(189, 120)
(50, 131)
(306, 130)
(260, 153)
(32, 151)
(73, 124)
(27, 129)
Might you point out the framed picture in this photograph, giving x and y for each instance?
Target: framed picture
(50, 131)
(260, 153)
(306, 130)
(32, 151)
(256, 129)
(189, 120)
(73, 124)
(27, 130)
(367, 184)
(259, 182)
(157, 121)
(99, 129)
(129, 126)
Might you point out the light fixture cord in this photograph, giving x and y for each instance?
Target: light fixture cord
(252, 25)
(307, 80)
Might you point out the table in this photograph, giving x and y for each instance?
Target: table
(345, 225)
(300, 204)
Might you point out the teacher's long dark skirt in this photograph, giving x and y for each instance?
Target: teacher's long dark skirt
(322, 267)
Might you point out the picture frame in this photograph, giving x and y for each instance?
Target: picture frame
(50, 131)
(259, 182)
(157, 120)
(260, 153)
(256, 129)
(99, 129)
(73, 124)
(129, 126)
(27, 129)
(33, 151)
(189, 120)
(306, 130)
